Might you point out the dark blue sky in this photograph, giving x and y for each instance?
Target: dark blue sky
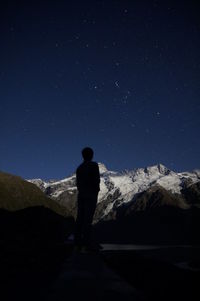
(120, 76)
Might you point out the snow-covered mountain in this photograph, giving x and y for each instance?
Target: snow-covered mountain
(120, 188)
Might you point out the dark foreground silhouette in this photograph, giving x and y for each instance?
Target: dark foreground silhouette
(88, 181)
(36, 264)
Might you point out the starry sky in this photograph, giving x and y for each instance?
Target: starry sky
(119, 76)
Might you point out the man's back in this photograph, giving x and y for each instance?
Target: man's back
(88, 178)
(87, 181)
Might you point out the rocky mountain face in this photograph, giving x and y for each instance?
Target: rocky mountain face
(130, 191)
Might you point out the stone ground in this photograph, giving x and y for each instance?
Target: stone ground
(60, 273)
(86, 276)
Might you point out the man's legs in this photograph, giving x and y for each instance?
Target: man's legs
(89, 210)
(79, 221)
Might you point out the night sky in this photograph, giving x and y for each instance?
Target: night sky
(120, 76)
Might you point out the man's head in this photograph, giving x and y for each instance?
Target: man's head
(87, 154)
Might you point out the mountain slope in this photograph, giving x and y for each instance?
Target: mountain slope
(16, 194)
(28, 218)
(120, 188)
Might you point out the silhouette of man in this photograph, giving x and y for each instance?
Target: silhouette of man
(88, 185)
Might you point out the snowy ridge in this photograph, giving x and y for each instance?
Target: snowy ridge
(117, 188)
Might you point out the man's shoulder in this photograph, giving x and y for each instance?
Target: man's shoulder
(79, 167)
(92, 165)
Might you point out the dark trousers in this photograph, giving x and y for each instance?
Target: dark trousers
(85, 213)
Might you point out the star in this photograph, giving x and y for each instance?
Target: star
(125, 100)
(117, 84)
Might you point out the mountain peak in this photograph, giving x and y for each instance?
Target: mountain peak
(163, 169)
(102, 168)
(157, 168)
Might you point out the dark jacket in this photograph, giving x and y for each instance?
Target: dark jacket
(88, 178)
